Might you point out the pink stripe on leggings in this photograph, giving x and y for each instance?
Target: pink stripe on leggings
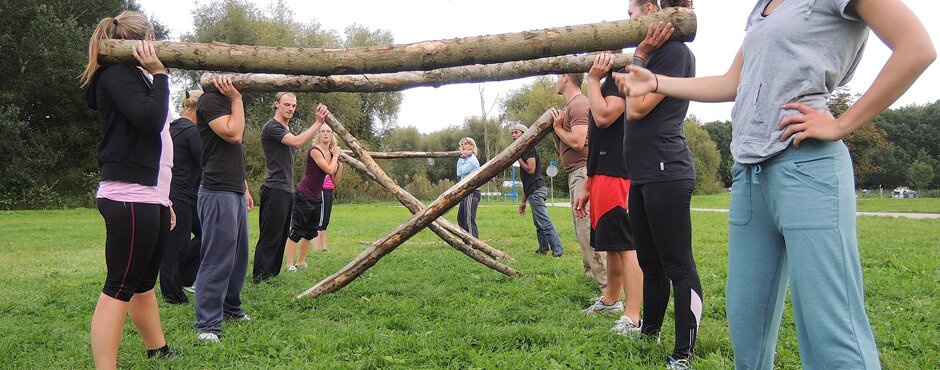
(130, 256)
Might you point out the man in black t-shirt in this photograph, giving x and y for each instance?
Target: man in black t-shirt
(534, 191)
(277, 191)
(223, 204)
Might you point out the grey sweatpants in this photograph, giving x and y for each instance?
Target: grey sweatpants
(224, 255)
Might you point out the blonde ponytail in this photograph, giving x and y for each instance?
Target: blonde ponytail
(128, 25)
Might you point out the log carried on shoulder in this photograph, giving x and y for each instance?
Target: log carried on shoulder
(403, 154)
(371, 255)
(420, 56)
(261, 82)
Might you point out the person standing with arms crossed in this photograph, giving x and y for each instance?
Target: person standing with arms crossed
(277, 191)
(223, 203)
(792, 216)
(467, 164)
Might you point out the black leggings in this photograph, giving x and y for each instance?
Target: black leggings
(181, 256)
(136, 233)
(662, 228)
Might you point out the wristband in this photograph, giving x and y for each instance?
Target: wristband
(657, 83)
(639, 62)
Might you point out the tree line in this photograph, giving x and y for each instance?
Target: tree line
(48, 137)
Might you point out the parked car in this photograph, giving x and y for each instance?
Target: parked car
(903, 192)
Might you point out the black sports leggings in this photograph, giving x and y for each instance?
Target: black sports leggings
(136, 234)
(662, 228)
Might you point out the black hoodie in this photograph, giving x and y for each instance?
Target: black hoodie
(132, 114)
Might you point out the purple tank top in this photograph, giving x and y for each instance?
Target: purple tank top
(311, 185)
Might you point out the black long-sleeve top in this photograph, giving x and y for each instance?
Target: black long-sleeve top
(132, 113)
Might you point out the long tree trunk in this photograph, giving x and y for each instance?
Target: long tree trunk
(388, 155)
(420, 56)
(436, 209)
(261, 82)
(413, 204)
(438, 226)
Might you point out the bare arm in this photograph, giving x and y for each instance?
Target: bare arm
(297, 141)
(605, 110)
(230, 127)
(912, 52)
(328, 166)
(528, 165)
(639, 106)
(577, 136)
(724, 88)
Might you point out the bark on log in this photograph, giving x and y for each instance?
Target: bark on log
(420, 56)
(413, 204)
(390, 155)
(260, 82)
(438, 226)
(446, 201)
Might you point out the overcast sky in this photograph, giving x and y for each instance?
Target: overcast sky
(720, 32)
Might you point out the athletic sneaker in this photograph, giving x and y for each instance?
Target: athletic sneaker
(291, 268)
(600, 306)
(208, 337)
(678, 364)
(558, 255)
(191, 289)
(625, 327)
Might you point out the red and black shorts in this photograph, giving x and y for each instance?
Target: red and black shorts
(610, 222)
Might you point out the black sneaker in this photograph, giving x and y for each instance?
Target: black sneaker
(165, 353)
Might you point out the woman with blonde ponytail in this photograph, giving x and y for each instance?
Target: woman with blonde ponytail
(322, 160)
(327, 142)
(135, 158)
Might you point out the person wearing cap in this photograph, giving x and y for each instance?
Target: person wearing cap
(534, 191)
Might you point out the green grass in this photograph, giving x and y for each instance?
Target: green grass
(917, 205)
(428, 306)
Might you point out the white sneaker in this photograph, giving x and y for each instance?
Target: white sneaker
(291, 268)
(626, 327)
(191, 289)
(208, 337)
(600, 306)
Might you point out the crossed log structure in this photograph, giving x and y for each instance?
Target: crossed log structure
(398, 67)
(427, 216)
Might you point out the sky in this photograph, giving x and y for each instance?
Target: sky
(720, 33)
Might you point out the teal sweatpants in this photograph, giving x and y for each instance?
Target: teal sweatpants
(792, 220)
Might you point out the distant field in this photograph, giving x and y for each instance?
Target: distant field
(917, 205)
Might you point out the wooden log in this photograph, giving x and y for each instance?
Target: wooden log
(371, 255)
(260, 82)
(437, 226)
(414, 205)
(420, 56)
(390, 155)
(376, 172)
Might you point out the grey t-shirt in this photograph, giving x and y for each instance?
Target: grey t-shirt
(801, 52)
(279, 157)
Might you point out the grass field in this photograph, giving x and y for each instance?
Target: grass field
(428, 306)
(871, 204)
